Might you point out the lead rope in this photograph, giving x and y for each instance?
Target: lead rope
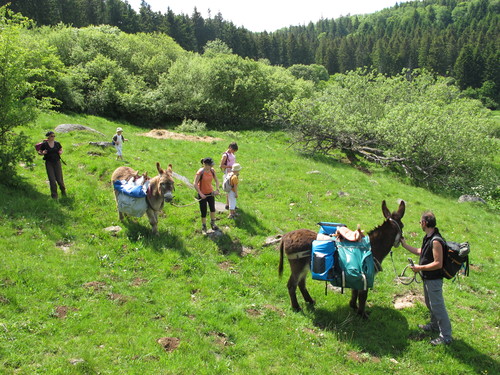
(196, 200)
(402, 278)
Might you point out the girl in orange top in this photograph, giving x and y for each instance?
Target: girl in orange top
(206, 194)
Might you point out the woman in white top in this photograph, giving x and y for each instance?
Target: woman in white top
(227, 162)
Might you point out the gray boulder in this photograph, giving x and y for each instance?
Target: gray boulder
(66, 128)
(470, 198)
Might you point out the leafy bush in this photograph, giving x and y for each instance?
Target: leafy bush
(191, 126)
(26, 70)
(313, 72)
(414, 122)
(109, 72)
(223, 89)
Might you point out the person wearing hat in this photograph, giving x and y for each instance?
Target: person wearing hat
(203, 180)
(118, 140)
(227, 161)
(233, 194)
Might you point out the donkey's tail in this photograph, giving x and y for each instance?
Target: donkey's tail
(280, 267)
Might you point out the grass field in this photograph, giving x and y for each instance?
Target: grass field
(76, 299)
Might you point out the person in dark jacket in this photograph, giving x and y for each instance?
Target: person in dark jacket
(51, 151)
(429, 266)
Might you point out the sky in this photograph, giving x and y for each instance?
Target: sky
(269, 15)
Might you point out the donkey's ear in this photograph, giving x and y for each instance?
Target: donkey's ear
(385, 210)
(160, 171)
(401, 209)
(169, 169)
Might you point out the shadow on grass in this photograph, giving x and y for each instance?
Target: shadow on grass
(24, 202)
(225, 243)
(249, 223)
(471, 357)
(384, 334)
(138, 232)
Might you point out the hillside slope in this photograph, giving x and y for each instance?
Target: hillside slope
(76, 299)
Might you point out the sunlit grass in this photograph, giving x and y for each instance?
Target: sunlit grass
(221, 297)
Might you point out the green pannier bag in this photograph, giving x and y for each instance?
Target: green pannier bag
(354, 267)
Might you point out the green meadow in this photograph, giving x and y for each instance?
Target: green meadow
(78, 299)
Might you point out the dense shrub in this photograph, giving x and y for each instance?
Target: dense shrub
(109, 72)
(191, 126)
(27, 69)
(416, 123)
(223, 88)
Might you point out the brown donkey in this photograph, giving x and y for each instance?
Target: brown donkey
(297, 245)
(160, 190)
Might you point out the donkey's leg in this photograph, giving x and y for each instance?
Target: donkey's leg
(292, 288)
(153, 220)
(362, 296)
(354, 298)
(120, 214)
(299, 268)
(304, 291)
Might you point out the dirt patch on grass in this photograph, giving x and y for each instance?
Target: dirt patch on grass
(64, 246)
(95, 285)
(407, 300)
(169, 343)
(247, 251)
(138, 281)
(362, 357)
(166, 134)
(275, 309)
(227, 266)
(120, 298)
(253, 312)
(61, 312)
(220, 339)
(4, 300)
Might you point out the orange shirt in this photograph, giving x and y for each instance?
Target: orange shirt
(205, 182)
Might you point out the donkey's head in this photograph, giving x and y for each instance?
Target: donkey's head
(389, 234)
(394, 219)
(166, 182)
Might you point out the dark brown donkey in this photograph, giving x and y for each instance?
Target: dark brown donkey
(297, 245)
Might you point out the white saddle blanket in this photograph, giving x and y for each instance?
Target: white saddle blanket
(132, 206)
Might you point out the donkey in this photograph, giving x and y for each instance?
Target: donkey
(297, 245)
(160, 190)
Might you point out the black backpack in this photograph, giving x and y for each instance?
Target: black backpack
(456, 256)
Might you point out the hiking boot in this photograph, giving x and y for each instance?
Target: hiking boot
(214, 227)
(441, 340)
(204, 228)
(232, 217)
(427, 328)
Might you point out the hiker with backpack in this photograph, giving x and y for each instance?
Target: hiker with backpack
(51, 151)
(430, 268)
(206, 194)
(118, 140)
(227, 161)
(230, 186)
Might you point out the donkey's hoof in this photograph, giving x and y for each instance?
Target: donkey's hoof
(296, 309)
(364, 315)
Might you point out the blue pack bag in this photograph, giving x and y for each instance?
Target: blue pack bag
(329, 228)
(322, 260)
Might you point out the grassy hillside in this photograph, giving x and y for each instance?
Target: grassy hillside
(76, 299)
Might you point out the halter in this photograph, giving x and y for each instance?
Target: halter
(397, 240)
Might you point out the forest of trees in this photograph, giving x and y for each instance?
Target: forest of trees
(149, 79)
(454, 38)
